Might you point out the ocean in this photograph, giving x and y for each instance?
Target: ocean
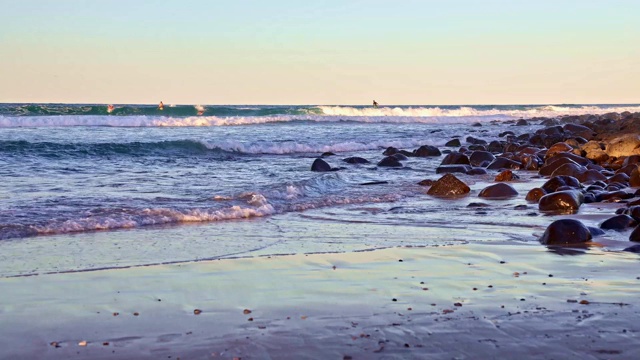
(83, 188)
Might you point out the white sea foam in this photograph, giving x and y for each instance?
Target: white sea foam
(295, 147)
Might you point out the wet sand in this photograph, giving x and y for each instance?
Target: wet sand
(474, 301)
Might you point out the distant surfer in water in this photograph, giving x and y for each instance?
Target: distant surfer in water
(110, 108)
(161, 106)
(375, 104)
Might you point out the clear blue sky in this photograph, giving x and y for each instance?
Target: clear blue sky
(320, 52)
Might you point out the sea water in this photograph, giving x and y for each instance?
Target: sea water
(84, 188)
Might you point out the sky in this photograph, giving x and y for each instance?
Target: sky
(320, 52)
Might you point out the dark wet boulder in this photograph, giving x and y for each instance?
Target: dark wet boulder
(621, 178)
(501, 163)
(390, 151)
(355, 160)
(635, 234)
(634, 249)
(495, 146)
(455, 158)
(634, 177)
(477, 148)
(522, 122)
(390, 161)
(535, 194)
(549, 167)
(558, 181)
(400, 156)
(506, 175)
(448, 186)
(505, 133)
(498, 191)
(327, 154)
(566, 232)
(456, 168)
(477, 171)
(569, 169)
(612, 196)
(561, 202)
(453, 143)
(579, 130)
(476, 141)
(426, 182)
(320, 165)
(559, 147)
(591, 176)
(561, 155)
(427, 150)
(479, 157)
(619, 223)
(595, 231)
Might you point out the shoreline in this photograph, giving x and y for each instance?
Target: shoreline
(461, 301)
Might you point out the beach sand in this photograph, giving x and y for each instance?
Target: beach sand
(473, 301)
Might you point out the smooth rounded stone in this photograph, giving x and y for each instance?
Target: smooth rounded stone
(589, 198)
(635, 234)
(498, 191)
(522, 122)
(495, 146)
(320, 165)
(453, 143)
(569, 170)
(355, 160)
(633, 249)
(426, 182)
(627, 169)
(621, 178)
(579, 130)
(456, 168)
(566, 232)
(400, 156)
(478, 157)
(591, 176)
(576, 158)
(504, 163)
(619, 223)
(564, 202)
(476, 124)
(476, 141)
(594, 151)
(549, 122)
(427, 150)
(505, 133)
(558, 181)
(633, 159)
(477, 171)
(455, 158)
(390, 161)
(634, 177)
(506, 175)
(625, 145)
(595, 231)
(548, 168)
(558, 148)
(477, 205)
(477, 148)
(530, 162)
(633, 211)
(551, 130)
(524, 137)
(613, 196)
(448, 186)
(406, 153)
(327, 154)
(594, 188)
(550, 140)
(390, 151)
(535, 194)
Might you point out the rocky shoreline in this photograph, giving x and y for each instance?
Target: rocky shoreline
(586, 159)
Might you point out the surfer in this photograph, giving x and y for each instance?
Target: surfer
(375, 104)
(110, 108)
(161, 106)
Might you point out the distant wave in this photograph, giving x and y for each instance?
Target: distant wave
(209, 116)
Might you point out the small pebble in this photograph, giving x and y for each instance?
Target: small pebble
(250, 319)
(136, 314)
(197, 311)
(394, 299)
(584, 302)
(55, 344)
(246, 311)
(457, 304)
(116, 313)
(106, 343)
(82, 343)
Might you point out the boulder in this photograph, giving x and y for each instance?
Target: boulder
(390, 161)
(426, 150)
(479, 157)
(619, 223)
(504, 163)
(320, 165)
(453, 143)
(455, 158)
(506, 175)
(448, 186)
(634, 177)
(558, 181)
(566, 232)
(355, 160)
(535, 194)
(498, 191)
(456, 168)
(625, 145)
(561, 202)
(635, 234)
(594, 151)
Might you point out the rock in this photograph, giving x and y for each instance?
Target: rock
(327, 154)
(505, 133)
(621, 178)
(522, 122)
(555, 182)
(579, 130)
(633, 249)
(558, 148)
(453, 143)
(455, 158)
(594, 151)
(506, 175)
(390, 151)
(477, 171)
(634, 178)
(400, 156)
(320, 166)
(569, 169)
(504, 163)
(426, 182)
(448, 186)
(355, 160)
(446, 169)
(619, 223)
(535, 194)
(635, 234)
(625, 145)
(390, 161)
(478, 157)
(498, 191)
(495, 147)
(566, 232)
(476, 141)
(426, 150)
(561, 202)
